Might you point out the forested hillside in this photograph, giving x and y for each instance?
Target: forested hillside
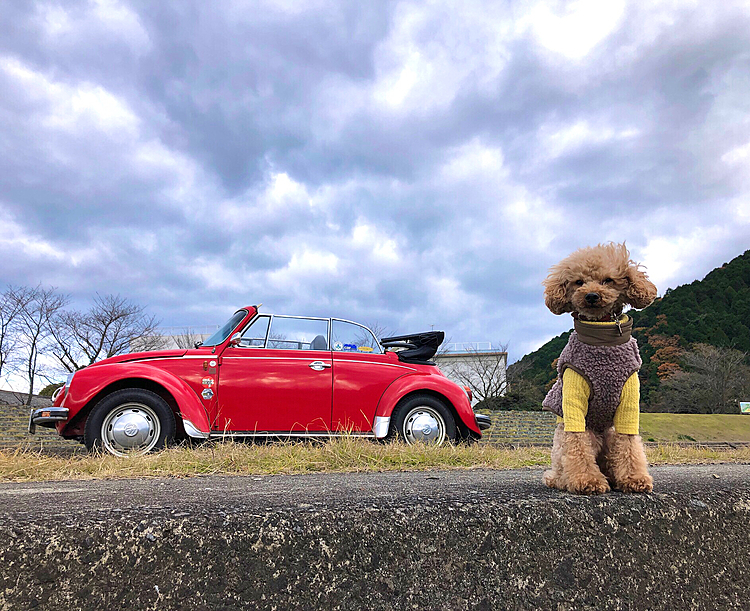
(713, 311)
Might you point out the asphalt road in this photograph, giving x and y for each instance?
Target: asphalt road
(74, 501)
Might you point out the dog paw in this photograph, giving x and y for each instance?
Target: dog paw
(588, 485)
(640, 483)
(551, 479)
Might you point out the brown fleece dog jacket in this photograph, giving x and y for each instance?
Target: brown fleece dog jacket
(606, 356)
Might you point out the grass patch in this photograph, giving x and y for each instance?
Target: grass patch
(695, 427)
(335, 456)
(671, 454)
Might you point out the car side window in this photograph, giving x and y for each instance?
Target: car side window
(255, 335)
(289, 333)
(350, 337)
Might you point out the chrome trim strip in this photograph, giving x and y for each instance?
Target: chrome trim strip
(287, 434)
(289, 358)
(380, 427)
(193, 431)
(155, 358)
(401, 366)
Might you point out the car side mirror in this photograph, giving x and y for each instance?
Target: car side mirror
(236, 339)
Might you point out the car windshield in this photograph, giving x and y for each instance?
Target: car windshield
(224, 332)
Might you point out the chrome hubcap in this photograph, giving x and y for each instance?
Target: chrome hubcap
(130, 429)
(424, 424)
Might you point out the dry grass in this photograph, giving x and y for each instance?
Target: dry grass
(671, 454)
(338, 455)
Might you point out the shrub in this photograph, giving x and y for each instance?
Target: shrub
(49, 390)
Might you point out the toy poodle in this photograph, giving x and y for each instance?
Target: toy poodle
(596, 394)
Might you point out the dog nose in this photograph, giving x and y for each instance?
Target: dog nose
(592, 297)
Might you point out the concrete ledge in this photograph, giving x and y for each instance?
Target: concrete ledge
(458, 540)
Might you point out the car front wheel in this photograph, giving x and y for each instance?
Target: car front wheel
(130, 422)
(423, 419)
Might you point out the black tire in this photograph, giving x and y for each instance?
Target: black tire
(414, 410)
(143, 413)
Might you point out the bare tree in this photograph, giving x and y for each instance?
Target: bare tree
(110, 327)
(713, 381)
(380, 331)
(187, 339)
(39, 308)
(483, 372)
(12, 301)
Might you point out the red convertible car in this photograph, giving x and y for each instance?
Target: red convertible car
(264, 375)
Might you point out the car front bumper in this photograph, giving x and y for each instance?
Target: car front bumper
(483, 421)
(46, 416)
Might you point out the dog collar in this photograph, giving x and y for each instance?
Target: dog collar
(604, 333)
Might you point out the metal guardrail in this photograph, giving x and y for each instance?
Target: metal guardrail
(469, 347)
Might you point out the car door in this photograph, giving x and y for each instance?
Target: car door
(278, 378)
(361, 373)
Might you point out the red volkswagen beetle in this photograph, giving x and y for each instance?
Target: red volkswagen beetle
(264, 375)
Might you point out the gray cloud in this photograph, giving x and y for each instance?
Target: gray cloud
(382, 161)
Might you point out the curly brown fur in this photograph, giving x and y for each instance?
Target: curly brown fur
(611, 280)
(574, 463)
(625, 462)
(606, 271)
(553, 477)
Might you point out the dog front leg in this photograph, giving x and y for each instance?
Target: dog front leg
(554, 477)
(580, 471)
(627, 465)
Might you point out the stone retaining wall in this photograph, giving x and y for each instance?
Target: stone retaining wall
(521, 428)
(14, 424)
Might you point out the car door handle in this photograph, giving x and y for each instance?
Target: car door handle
(319, 365)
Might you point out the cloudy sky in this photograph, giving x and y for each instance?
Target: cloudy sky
(400, 162)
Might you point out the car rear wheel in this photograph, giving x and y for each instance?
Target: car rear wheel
(423, 419)
(130, 422)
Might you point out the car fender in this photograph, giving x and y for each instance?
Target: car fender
(91, 381)
(415, 382)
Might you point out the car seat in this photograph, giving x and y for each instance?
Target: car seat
(319, 343)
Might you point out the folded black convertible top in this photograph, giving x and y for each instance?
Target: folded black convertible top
(417, 347)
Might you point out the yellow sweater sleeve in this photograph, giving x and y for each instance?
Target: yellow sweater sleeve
(576, 393)
(628, 411)
(575, 403)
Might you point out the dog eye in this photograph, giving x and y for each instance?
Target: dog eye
(579, 282)
(607, 281)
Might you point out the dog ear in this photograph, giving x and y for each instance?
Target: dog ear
(555, 294)
(641, 291)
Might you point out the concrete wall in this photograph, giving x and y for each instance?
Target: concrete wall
(438, 541)
(478, 370)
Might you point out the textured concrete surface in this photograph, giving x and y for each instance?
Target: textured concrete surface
(439, 540)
